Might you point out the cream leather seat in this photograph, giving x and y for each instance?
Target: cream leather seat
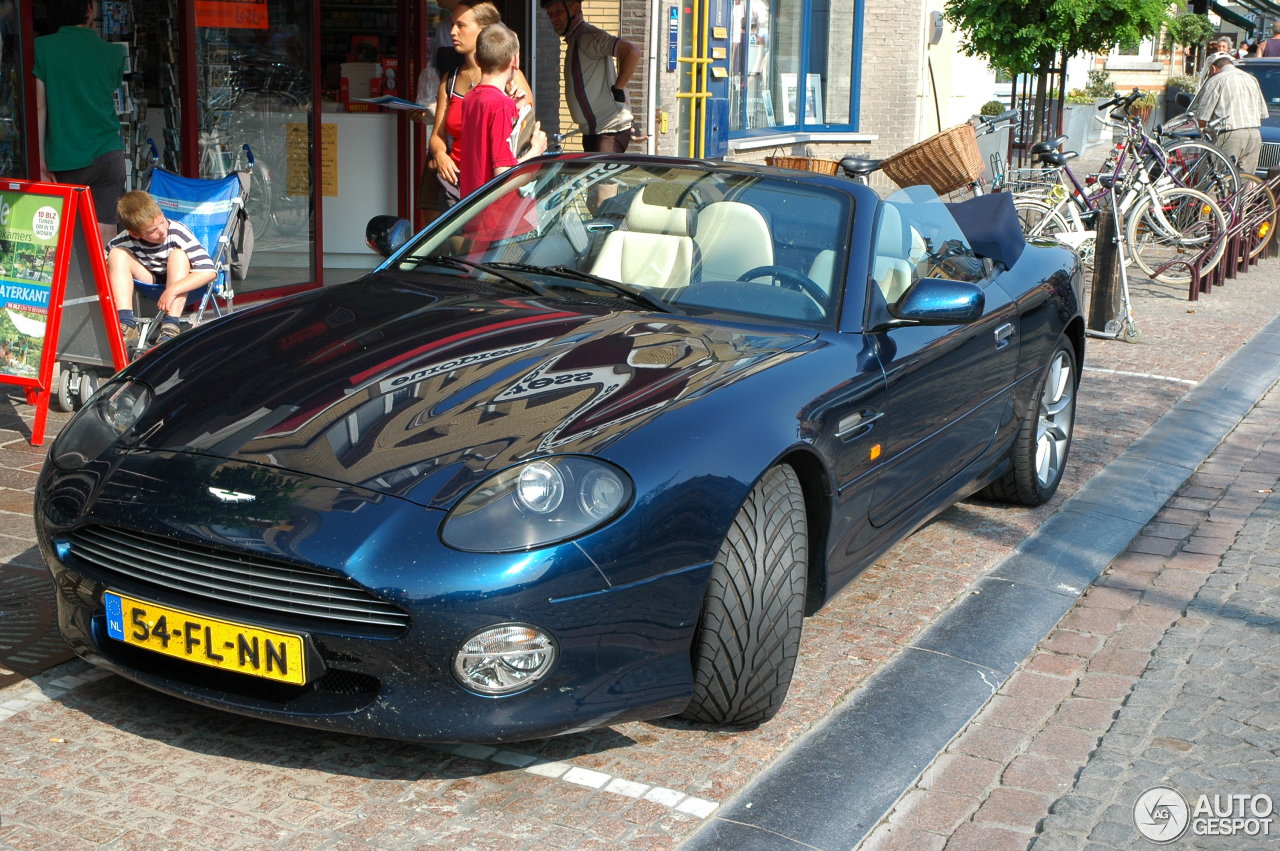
(822, 271)
(653, 248)
(891, 269)
(733, 238)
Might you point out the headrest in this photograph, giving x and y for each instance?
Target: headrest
(656, 218)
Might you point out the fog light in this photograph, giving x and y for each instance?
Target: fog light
(504, 659)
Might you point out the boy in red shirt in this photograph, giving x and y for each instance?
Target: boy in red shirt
(489, 114)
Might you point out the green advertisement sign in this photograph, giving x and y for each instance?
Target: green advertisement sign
(29, 229)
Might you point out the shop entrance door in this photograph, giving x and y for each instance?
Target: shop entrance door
(254, 86)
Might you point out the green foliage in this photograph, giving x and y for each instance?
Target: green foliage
(1099, 84)
(1147, 99)
(1190, 30)
(1186, 82)
(1080, 96)
(991, 107)
(1025, 35)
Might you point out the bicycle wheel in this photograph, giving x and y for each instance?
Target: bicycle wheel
(1042, 221)
(1199, 165)
(1260, 211)
(1175, 224)
(1038, 219)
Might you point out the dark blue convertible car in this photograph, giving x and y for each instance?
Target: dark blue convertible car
(586, 450)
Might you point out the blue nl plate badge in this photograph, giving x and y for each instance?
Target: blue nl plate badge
(115, 616)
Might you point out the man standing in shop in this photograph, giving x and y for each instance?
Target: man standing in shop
(597, 68)
(77, 74)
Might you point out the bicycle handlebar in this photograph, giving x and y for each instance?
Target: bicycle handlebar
(991, 120)
(1125, 101)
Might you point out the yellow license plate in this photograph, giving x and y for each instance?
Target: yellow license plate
(226, 645)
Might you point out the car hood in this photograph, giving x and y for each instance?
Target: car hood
(1270, 128)
(422, 387)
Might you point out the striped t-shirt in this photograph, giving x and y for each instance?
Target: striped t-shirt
(590, 72)
(154, 256)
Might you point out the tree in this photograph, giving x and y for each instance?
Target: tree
(1190, 31)
(1029, 36)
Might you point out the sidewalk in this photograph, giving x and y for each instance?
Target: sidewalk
(1163, 674)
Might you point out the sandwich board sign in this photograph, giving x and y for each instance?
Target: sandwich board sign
(51, 269)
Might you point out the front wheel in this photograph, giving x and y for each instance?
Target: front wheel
(1199, 165)
(1260, 212)
(748, 637)
(1175, 225)
(1038, 456)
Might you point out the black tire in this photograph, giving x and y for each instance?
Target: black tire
(1039, 452)
(749, 635)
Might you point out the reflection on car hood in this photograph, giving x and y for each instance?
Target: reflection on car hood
(421, 390)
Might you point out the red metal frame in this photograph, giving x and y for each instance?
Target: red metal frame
(77, 206)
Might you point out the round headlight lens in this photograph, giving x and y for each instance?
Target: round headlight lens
(537, 503)
(601, 493)
(504, 659)
(108, 415)
(540, 487)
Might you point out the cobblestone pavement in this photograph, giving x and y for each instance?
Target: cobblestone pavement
(93, 761)
(1164, 674)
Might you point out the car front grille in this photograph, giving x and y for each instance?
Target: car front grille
(243, 580)
(1269, 158)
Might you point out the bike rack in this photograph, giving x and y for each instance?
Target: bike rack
(1241, 236)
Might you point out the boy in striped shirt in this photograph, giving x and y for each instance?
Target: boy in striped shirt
(157, 252)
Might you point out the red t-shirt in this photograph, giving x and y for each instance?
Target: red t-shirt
(488, 117)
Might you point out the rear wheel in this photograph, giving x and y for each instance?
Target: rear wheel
(749, 634)
(1039, 452)
(1038, 219)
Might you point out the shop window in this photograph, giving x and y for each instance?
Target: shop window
(792, 65)
(12, 153)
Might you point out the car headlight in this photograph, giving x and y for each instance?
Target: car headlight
(504, 659)
(537, 503)
(108, 415)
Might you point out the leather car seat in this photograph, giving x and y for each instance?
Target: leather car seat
(653, 248)
(733, 238)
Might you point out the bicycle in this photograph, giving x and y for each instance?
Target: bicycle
(1157, 214)
(1258, 202)
(859, 169)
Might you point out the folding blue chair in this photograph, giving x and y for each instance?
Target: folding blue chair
(214, 211)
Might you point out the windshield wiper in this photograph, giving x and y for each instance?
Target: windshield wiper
(633, 293)
(495, 269)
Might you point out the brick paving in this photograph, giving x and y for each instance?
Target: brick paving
(88, 760)
(1164, 673)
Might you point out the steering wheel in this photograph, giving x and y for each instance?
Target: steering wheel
(789, 278)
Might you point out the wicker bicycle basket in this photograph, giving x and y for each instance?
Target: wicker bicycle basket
(804, 164)
(946, 162)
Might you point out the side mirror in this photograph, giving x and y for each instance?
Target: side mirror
(1182, 98)
(385, 234)
(937, 301)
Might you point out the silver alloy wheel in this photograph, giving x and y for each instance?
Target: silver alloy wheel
(1056, 419)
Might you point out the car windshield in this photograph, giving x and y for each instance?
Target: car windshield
(662, 236)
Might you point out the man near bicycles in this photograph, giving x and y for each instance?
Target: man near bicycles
(1234, 96)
